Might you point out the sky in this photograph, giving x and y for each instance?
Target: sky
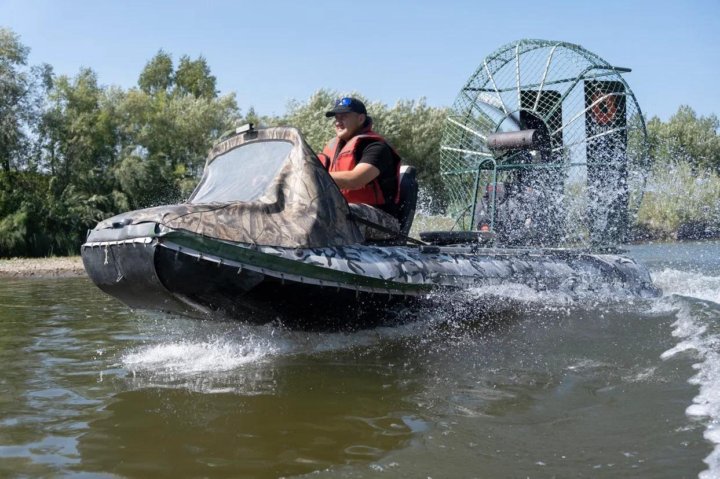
(270, 52)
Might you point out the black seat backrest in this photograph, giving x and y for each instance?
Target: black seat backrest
(408, 198)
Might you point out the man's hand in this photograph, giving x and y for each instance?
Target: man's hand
(361, 175)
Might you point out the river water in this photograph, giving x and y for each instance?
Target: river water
(554, 388)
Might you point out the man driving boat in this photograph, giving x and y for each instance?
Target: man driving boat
(362, 163)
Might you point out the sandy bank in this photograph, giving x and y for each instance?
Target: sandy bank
(63, 267)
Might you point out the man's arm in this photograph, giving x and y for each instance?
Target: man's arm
(376, 159)
(361, 175)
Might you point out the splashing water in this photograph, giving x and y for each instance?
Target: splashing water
(188, 357)
(688, 284)
(696, 298)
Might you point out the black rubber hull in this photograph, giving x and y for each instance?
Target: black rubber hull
(154, 277)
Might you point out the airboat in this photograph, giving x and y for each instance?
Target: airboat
(541, 158)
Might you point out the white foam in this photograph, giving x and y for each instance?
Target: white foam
(579, 295)
(678, 348)
(178, 358)
(188, 357)
(693, 284)
(693, 327)
(641, 375)
(515, 292)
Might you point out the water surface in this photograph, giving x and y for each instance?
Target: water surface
(556, 387)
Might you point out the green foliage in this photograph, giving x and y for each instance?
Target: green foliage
(20, 98)
(94, 151)
(157, 76)
(39, 217)
(678, 194)
(70, 213)
(416, 131)
(79, 132)
(168, 130)
(13, 214)
(143, 181)
(309, 118)
(686, 137)
(13, 232)
(193, 77)
(684, 184)
(24, 215)
(165, 140)
(12, 52)
(251, 117)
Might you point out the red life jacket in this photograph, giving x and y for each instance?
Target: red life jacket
(347, 158)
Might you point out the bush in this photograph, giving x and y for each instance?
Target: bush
(678, 194)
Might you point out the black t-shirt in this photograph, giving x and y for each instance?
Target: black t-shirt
(380, 156)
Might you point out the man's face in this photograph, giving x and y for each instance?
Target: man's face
(348, 125)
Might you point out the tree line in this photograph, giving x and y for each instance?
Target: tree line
(73, 151)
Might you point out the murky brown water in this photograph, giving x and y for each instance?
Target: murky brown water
(89, 388)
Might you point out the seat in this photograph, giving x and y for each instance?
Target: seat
(408, 198)
(389, 226)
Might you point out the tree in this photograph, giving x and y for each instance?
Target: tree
(252, 117)
(165, 143)
(79, 132)
(193, 77)
(22, 186)
(309, 118)
(99, 150)
(686, 137)
(157, 76)
(20, 101)
(683, 189)
(166, 133)
(77, 135)
(416, 130)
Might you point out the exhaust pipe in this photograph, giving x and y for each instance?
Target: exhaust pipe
(516, 140)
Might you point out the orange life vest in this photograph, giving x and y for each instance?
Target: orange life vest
(347, 158)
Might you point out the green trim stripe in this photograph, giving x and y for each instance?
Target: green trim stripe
(281, 265)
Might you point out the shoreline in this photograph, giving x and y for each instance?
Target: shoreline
(53, 267)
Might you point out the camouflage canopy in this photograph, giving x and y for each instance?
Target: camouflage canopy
(265, 187)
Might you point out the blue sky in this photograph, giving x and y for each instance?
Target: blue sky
(269, 52)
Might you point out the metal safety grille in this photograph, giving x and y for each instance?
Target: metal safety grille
(596, 136)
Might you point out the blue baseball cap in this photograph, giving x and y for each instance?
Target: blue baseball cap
(347, 105)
